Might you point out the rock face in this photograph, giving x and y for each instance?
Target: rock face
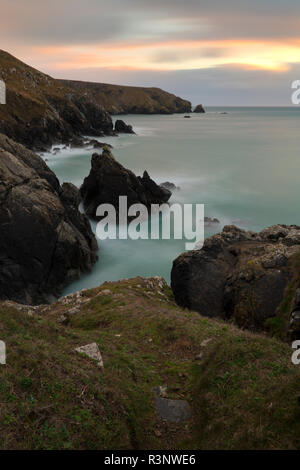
(121, 127)
(41, 110)
(45, 242)
(199, 109)
(238, 274)
(108, 180)
(294, 331)
(118, 99)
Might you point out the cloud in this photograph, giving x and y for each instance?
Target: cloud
(231, 46)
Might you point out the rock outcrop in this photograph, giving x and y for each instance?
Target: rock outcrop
(108, 180)
(199, 109)
(118, 99)
(45, 242)
(123, 128)
(40, 110)
(239, 275)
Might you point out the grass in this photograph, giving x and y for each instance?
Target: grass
(278, 325)
(243, 392)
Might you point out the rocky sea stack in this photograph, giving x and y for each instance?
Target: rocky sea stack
(245, 276)
(199, 109)
(122, 127)
(108, 180)
(45, 242)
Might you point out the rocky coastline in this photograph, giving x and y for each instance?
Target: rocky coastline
(248, 277)
(45, 242)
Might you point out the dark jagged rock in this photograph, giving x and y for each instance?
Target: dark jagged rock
(45, 242)
(209, 221)
(108, 180)
(122, 127)
(294, 331)
(40, 110)
(238, 274)
(199, 109)
(98, 145)
(77, 142)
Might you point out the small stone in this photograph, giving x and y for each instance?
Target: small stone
(63, 319)
(199, 357)
(105, 292)
(92, 351)
(162, 391)
(73, 311)
(205, 342)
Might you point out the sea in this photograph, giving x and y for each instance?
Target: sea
(242, 163)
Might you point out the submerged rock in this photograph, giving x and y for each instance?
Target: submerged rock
(238, 274)
(108, 180)
(45, 242)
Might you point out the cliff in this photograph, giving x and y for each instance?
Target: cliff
(40, 110)
(45, 242)
(118, 99)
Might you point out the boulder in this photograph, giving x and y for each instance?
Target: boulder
(108, 180)
(93, 352)
(199, 109)
(238, 275)
(45, 242)
(122, 127)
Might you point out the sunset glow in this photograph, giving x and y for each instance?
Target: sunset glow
(141, 42)
(175, 55)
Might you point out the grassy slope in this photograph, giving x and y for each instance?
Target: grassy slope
(129, 99)
(243, 392)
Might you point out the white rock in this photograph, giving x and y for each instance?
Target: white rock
(91, 350)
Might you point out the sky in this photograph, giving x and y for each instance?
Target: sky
(215, 52)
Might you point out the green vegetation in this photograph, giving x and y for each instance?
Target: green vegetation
(278, 326)
(120, 99)
(242, 389)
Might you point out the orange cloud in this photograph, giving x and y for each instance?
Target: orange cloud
(273, 55)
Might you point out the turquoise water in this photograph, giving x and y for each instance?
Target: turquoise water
(244, 166)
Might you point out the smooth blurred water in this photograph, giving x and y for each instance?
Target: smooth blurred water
(244, 166)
